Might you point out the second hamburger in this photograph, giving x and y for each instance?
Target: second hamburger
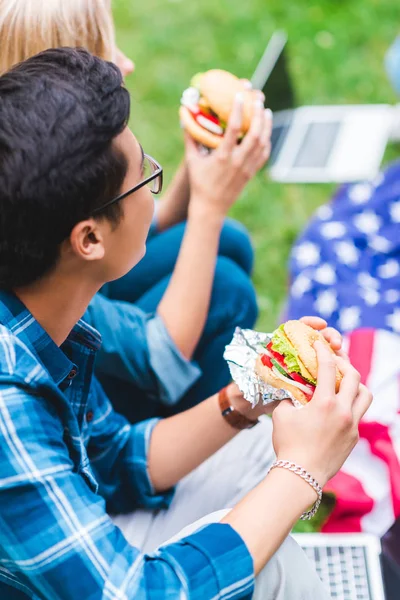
(207, 104)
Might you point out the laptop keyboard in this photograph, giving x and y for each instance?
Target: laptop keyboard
(343, 569)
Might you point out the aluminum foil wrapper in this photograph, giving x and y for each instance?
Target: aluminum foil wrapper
(241, 355)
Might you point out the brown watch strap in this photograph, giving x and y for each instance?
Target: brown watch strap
(231, 415)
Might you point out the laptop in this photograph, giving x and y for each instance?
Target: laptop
(318, 143)
(348, 564)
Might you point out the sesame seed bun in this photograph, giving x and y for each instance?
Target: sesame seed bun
(269, 377)
(302, 337)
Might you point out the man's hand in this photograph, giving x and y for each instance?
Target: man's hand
(321, 435)
(245, 408)
(332, 336)
(217, 179)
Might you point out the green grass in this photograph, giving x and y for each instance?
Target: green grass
(336, 54)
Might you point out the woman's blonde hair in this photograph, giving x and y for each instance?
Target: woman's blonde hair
(30, 26)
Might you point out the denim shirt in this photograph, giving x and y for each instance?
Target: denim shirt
(136, 347)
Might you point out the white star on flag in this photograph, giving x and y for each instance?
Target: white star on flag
(389, 269)
(394, 210)
(324, 212)
(380, 243)
(349, 318)
(365, 280)
(333, 230)
(326, 303)
(368, 222)
(300, 285)
(325, 274)
(393, 320)
(360, 193)
(392, 296)
(307, 254)
(370, 297)
(347, 253)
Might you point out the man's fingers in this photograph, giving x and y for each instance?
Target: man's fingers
(314, 322)
(282, 407)
(343, 363)
(269, 408)
(362, 402)
(350, 383)
(234, 126)
(342, 355)
(333, 337)
(326, 376)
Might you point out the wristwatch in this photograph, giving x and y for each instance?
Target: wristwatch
(233, 416)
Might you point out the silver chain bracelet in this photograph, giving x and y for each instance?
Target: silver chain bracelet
(291, 466)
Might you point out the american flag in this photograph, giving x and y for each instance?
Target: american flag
(367, 488)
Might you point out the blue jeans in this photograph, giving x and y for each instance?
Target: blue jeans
(233, 303)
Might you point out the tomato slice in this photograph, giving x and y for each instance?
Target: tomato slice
(293, 375)
(300, 379)
(265, 359)
(196, 111)
(209, 116)
(278, 357)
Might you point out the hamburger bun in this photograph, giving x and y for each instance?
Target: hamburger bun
(303, 337)
(219, 88)
(196, 131)
(269, 377)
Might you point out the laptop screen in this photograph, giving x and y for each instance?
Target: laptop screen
(272, 75)
(317, 145)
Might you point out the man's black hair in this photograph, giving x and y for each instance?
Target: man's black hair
(59, 114)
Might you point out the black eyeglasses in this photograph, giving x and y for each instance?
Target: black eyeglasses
(153, 178)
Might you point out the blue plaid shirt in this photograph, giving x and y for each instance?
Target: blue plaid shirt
(66, 456)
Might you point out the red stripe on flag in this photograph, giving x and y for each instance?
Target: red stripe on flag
(352, 503)
(361, 347)
(380, 442)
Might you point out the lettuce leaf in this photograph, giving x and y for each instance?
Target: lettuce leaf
(281, 344)
(195, 81)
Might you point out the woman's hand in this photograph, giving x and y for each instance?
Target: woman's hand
(218, 178)
(321, 435)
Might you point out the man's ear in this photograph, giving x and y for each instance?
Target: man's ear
(87, 240)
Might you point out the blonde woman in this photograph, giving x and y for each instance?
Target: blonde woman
(165, 324)
(28, 27)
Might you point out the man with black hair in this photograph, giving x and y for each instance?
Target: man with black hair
(75, 209)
